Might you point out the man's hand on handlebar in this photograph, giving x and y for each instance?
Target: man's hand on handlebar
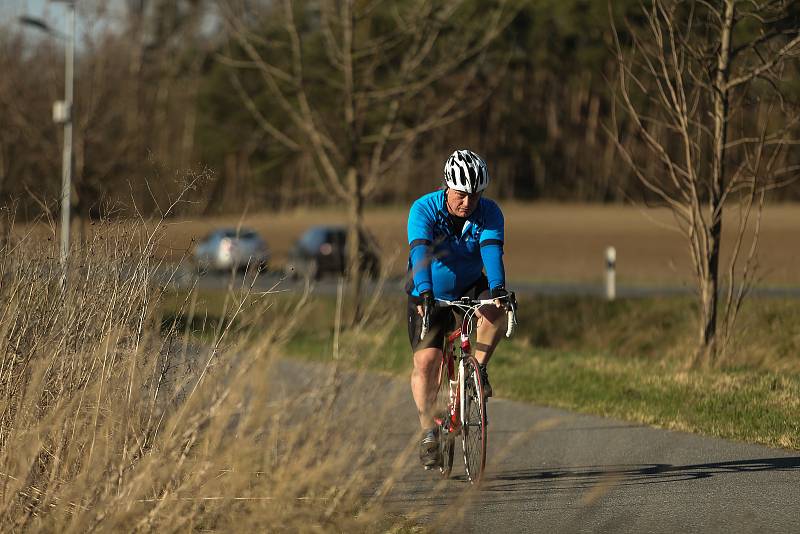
(425, 309)
(427, 303)
(508, 301)
(500, 296)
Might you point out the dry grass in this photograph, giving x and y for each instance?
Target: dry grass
(546, 242)
(111, 420)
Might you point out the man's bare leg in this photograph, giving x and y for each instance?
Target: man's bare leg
(424, 378)
(491, 324)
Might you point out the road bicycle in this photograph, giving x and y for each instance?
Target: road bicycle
(460, 400)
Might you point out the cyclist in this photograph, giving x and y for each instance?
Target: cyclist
(453, 234)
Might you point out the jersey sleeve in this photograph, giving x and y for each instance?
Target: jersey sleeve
(420, 239)
(491, 241)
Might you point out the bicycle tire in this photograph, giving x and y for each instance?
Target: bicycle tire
(446, 435)
(473, 432)
(448, 448)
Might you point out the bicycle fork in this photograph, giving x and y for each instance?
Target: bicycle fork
(456, 404)
(458, 400)
(462, 398)
(462, 395)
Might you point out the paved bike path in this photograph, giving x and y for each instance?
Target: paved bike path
(552, 470)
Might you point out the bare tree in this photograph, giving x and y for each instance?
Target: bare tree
(29, 149)
(166, 45)
(357, 83)
(705, 86)
(127, 120)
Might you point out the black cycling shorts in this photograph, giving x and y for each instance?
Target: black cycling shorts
(443, 320)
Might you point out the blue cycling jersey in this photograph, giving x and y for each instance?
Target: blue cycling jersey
(448, 262)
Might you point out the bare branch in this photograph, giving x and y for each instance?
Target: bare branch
(332, 48)
(240, 64)
(674, 170)
(322, 144)
(767, 65)
(712, 9)
(259, 117)
(766, 37)
(410, 89)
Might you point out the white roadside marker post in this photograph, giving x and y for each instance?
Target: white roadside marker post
(611, 273)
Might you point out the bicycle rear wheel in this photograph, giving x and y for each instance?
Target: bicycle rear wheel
(473, 432)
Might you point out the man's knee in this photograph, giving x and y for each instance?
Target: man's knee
(492, 314)
(426, 359)
(491, 319)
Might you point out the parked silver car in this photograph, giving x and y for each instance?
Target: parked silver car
(231, 249)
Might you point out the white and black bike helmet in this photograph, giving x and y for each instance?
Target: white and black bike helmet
(466, 171)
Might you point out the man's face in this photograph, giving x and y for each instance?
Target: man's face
(462, 204)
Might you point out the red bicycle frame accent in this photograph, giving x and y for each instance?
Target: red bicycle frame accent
(450, 358)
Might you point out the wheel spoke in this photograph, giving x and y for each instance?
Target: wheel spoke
(446, 438)
(474, 430)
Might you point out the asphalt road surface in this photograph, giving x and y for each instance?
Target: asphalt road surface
(551, 470)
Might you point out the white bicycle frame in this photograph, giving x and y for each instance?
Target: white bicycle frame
(462, 396)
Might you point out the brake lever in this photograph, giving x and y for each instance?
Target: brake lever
(512, 314)
(426, 322)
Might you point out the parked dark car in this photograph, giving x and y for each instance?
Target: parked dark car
(231, 248)
(322, 250)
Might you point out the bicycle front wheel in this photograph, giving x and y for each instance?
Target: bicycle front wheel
(473, 433)
(445, 420)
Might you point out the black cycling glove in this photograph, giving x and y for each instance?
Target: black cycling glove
(498, 292)
(427, 301)
(427, 311)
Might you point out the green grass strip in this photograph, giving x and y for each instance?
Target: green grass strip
(625, 359)
(751, 406)
(747, 404)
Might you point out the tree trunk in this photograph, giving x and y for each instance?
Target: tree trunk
(710, 286)
(355, 213)
(4, 228)
(190, 123)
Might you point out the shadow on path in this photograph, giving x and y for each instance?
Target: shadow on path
(532, 480)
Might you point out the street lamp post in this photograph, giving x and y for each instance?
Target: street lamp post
(66, 162)
(62, 114)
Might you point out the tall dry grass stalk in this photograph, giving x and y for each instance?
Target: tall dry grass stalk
(115, 419)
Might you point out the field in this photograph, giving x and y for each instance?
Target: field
(545, 242)
(120, 395)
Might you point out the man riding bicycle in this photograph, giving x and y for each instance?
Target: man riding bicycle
(453, 234)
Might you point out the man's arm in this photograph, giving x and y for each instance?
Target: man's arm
(420, 238)
(492, 239)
